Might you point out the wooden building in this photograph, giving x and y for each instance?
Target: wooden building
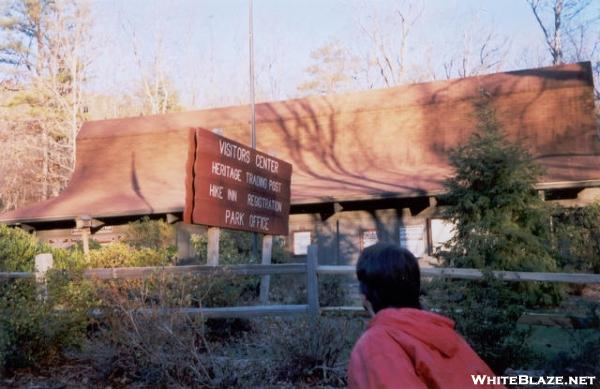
(367, 165)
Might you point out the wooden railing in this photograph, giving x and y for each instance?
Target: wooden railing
(310, 268)
(475, 274)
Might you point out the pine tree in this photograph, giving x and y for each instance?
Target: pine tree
(501, 222)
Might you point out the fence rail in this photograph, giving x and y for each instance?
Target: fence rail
(225, 312)
(300, 268)
(16, 274)
(236, 270)
(311, 269)
(476, 274)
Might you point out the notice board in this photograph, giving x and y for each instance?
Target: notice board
(413, 238)
(233, 186)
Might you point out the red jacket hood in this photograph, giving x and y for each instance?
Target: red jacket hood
(411, 348)
(434, 330)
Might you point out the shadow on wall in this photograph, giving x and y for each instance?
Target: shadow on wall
(343, 158)
(135, 185)
(341, 236)
(551, 115)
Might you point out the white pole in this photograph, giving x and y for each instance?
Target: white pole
(43, 263)
(252, 97)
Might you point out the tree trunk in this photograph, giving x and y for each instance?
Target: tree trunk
(45, 163)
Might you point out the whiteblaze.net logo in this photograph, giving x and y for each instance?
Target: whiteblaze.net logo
(481, 379)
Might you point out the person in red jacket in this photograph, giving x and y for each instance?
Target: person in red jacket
(405, 346)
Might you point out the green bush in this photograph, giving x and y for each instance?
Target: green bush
(36, 330)
(291, 289)
(93, 244)
(333, 290)
(577, 235)
(235, 247)
(583, 361)
(152, 234)
(18, 249)
(123, 255)
(279, 253)
(486, 314)
(288, 289)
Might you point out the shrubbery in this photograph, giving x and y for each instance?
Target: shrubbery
(174, 351)
(123, 255)
(152, 234)
(141, 342)
(17, 249)
(577, 239)
(35, 329)
(486, 314)
(310, 349)
(584, 360)
(234, 248)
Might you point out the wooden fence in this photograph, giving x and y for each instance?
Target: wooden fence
(311, 269)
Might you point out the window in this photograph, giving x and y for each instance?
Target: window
(301, 241)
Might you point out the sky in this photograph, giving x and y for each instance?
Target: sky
(202, 45)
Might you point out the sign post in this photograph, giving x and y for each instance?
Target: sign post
(265, 281)
(212, 255)
(230, 185)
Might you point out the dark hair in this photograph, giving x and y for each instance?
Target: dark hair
(389, 277)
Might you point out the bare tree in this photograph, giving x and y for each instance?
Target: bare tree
(480, 51)
(556, 19)
(571, 30)
(331, 71)
(155, 93)
(388, 36)
(44, 64)
(583, 44)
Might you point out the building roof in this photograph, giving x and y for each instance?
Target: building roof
(378, 143)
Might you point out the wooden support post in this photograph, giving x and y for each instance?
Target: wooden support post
(184, 246)
(185, 250)
(267, 250)
(85, 238)
(212, 257)
(312, 283)
(84, 223)
(43, 262)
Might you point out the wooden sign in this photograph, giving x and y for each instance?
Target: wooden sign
(232, 186)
